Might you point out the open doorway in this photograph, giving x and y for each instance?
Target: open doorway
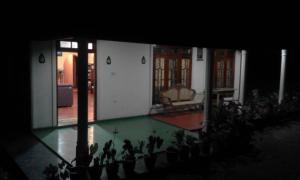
(67, 90)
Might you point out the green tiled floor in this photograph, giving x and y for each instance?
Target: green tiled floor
(63, 140)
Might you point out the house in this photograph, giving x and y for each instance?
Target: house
(124, 78)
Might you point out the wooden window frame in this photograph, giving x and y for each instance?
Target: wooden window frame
(171, 53)
(227, 56)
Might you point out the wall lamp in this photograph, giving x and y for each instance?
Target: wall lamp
(143, 60)
(42, 58)
(108, 60)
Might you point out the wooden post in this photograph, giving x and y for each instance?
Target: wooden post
(208, 87)
(82, 148)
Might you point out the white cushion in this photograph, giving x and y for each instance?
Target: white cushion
(171, 93)
(228, 99)
(185, 94)
(181, 103)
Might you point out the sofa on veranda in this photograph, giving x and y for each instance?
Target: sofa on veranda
(181, 98)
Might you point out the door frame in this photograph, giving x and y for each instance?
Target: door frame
(73, 50)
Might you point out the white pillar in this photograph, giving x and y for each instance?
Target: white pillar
(208, 89)
(282, 75)
(243, 76)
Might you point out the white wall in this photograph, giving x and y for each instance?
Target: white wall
(198, 71)
(237, 73)
(123, 86)
(43, 91)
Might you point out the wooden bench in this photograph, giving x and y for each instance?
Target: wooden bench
(181, 98)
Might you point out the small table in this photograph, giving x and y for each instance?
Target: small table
(220, 91)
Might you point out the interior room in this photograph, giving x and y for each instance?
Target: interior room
(67, 96)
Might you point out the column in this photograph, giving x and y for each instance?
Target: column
(282, 75)
(243, 76)
(82, 148)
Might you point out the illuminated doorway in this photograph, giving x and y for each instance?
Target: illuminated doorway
(67, 92)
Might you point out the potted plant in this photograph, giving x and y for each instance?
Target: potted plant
(51, 172)
(96, 170)
(128, 156)
(194, 146)
(172, 154)
(182, 147)
(59, 172)
(108, 156)
(154, 143)
(93, 171)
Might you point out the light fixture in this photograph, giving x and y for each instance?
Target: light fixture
(200, 54)
(143, 60)
(42, 58)
(108, 60)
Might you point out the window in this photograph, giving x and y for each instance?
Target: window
(90, 46)
(223, 68)
(171, 67)
(73, 46)
(65, 44)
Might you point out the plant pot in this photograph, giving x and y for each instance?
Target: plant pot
(128, 166)
(172, 155)
(112, 171)
(150, 161)
(184, 153)
(78, 173)
(95, 172)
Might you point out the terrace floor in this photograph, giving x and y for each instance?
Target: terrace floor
(278, 150)
(188, 120)
(63, 140)
(29, 154)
